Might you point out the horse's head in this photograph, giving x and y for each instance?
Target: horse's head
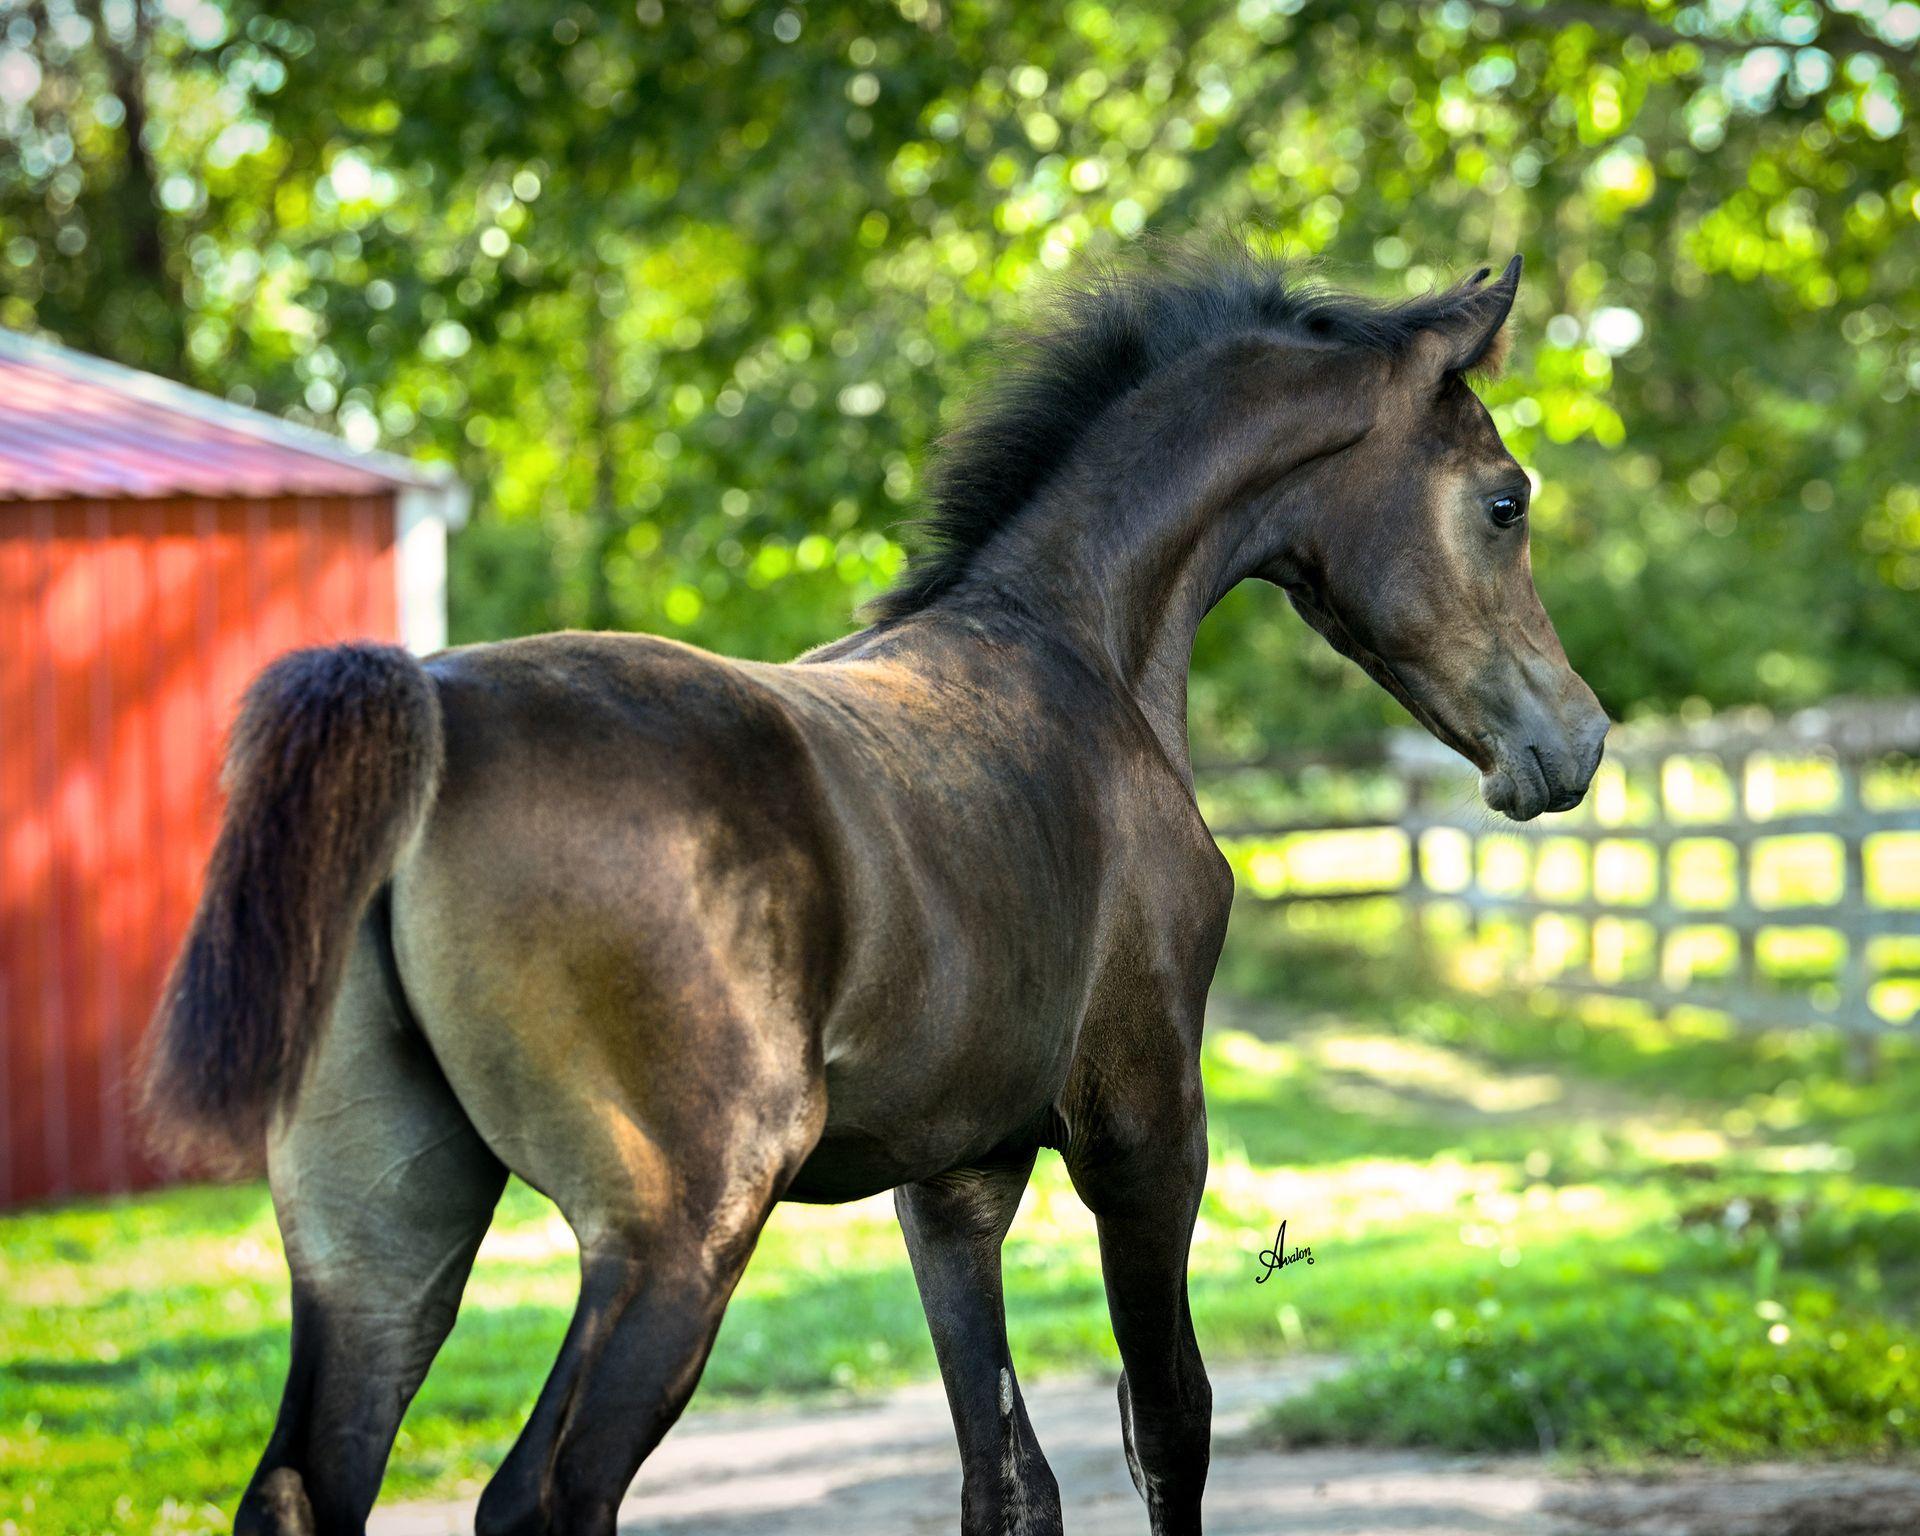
(1413, 561)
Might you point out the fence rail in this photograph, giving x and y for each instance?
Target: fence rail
(1733, 792)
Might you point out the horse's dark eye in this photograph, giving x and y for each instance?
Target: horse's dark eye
(1506, 510)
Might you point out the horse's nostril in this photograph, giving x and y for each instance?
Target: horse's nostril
(1560, 796)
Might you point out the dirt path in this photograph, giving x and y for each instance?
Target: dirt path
(888, 1468)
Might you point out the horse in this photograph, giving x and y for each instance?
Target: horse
(675, 937)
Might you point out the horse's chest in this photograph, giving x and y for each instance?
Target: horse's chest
(965, 1028)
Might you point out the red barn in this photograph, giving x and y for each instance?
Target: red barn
(157, 547)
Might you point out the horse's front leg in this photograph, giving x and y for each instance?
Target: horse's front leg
(955, 1225)
(1145, 1194)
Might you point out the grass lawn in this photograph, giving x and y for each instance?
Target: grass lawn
(1598, 1236)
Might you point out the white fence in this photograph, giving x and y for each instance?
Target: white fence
(1765, 869)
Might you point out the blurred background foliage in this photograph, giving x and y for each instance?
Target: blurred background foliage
(687, 291)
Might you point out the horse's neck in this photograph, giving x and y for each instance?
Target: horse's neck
(1125, 575)
(1153, 519)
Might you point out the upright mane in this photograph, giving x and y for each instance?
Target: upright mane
(1101, 338)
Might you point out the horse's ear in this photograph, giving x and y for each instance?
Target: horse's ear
(1472, 337)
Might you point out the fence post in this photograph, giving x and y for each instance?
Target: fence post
(1746, 970)
(1856, 1008)
(1659, 920)
(1414, 796)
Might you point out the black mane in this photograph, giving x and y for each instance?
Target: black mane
(1103, 338)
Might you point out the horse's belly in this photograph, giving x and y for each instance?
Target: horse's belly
(939, 1096)
(853, 1164)
(850, 1166)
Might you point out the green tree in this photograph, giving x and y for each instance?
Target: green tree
(687, 290)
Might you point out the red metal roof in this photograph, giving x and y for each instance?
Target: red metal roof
(74, 426)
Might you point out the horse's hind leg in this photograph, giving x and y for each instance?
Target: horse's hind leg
(667, 1184)
(384, 1192)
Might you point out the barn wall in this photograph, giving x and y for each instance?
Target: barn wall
(127, 631)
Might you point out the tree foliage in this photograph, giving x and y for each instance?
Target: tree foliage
(686, 291)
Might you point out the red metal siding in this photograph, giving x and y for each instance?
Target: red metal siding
(76, 426)
(127, 631)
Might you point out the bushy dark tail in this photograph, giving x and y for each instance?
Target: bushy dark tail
(332, 766)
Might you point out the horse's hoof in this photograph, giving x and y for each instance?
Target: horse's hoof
(275, 1506)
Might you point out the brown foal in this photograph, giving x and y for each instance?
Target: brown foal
(675, 937)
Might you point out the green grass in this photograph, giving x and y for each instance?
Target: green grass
(1706, 1245)
(1622, 1371)
(1599, 1235)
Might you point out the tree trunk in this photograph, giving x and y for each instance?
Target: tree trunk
(135, 200)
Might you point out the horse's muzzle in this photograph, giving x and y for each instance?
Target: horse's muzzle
(1545, 765)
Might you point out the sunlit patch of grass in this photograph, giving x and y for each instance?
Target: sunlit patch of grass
(1418, 1066)
(1706, 1371)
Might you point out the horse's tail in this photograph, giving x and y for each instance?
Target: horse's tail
(331, 770)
